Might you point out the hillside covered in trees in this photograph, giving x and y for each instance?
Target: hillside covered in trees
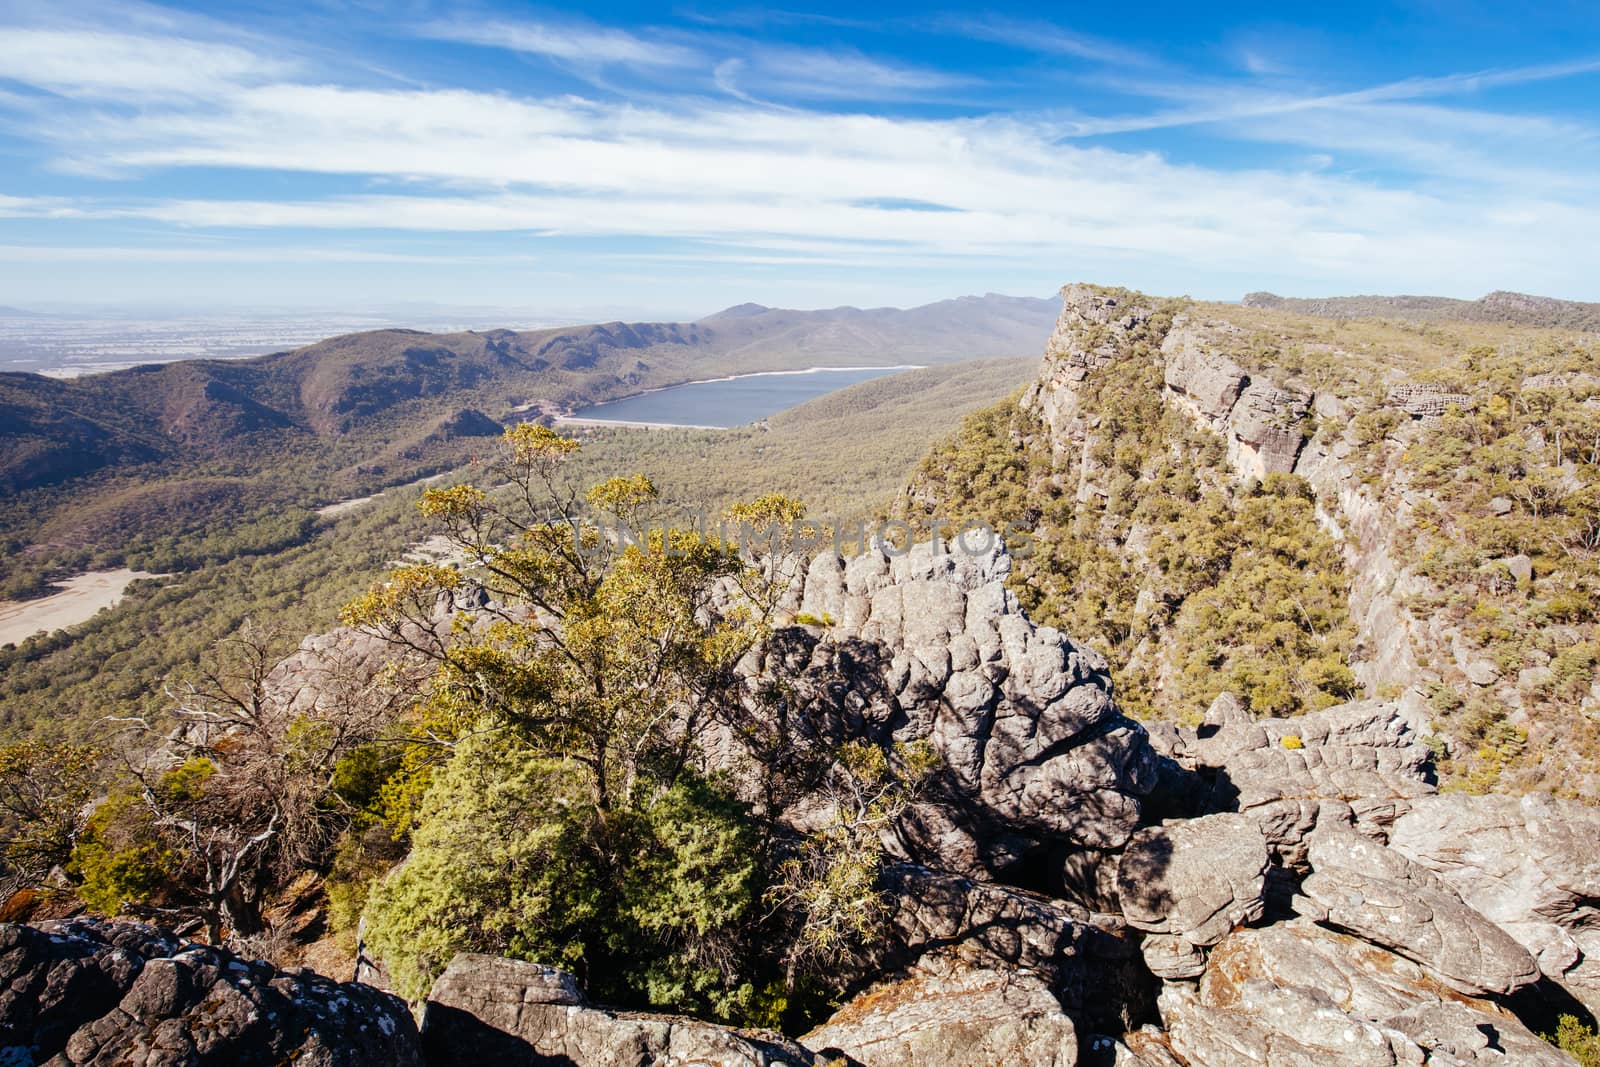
(1302, 510)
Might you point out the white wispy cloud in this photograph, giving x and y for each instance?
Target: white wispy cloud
(1208, 101)
(573, 42)
(799, 183)
(1035, 36)
(37, 207)
(582, 169)
(120, 66)
(842, 74)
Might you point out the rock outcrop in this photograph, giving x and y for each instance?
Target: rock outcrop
(1363, 952)
(1194, 880)
(1298, 994)
(929, 645)
(1362, 762)
(947, 1014)
(1529, 864)
(90, 992)
(485, 1009)
(1365, 888)
(1427, 401)
(1093, 330)
(1261, 421)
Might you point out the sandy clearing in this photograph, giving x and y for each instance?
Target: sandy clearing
(80, 598)
(341, 507)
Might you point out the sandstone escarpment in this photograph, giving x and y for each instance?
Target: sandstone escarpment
(1374, 433)
(1261, 421)
(1395, 919)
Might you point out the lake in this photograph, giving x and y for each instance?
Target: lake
(722, 402)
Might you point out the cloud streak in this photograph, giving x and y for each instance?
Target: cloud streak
(572, 42)
(115, 66)
(757, 154)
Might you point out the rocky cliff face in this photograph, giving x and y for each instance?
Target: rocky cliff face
(1089, 335)
(1375, 437)
(1081, 890)
(1262, 422)
(1261, 417)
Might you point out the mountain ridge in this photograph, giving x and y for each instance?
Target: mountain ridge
(1499, 306)
(57, 430)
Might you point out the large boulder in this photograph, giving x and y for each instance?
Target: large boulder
(943, 1013)
(486, 1009)
(1360, 886)
(1529, 864)
(1194, 880)
(91, 992)
(1297, 995)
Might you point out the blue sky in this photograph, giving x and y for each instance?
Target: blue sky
(678, 159)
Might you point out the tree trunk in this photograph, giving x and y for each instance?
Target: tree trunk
(241, 913)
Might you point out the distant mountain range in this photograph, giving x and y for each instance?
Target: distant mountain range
(1499, 306)
(388, 393)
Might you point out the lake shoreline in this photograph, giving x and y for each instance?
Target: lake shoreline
(574, 416)
(632, 424)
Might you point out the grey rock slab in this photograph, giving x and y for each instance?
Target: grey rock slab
(1378, 894)
(1530, 864)
(87, 991)
(1296, 993)
(486, 1009)
(1194, 879)
(943, 1013)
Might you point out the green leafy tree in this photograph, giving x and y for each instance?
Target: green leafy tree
(556, 812)
(605, 645)
(45, 792)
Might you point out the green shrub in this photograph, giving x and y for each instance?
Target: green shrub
(1576, 1040)
(119, 858)
(510, 856)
